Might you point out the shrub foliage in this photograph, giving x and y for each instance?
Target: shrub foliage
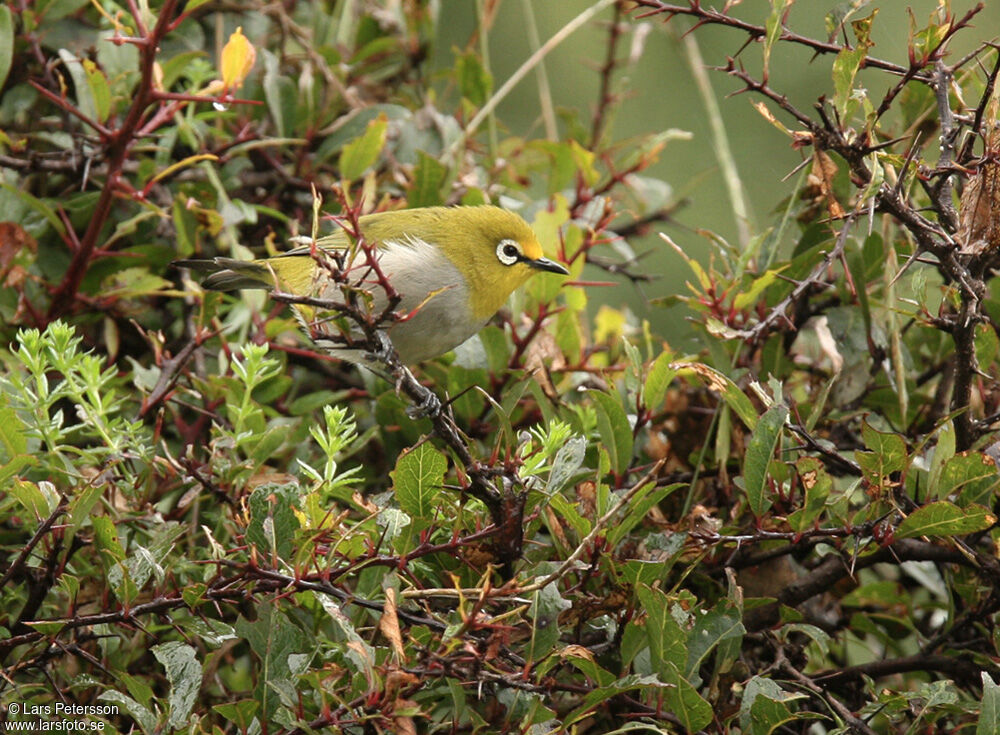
(207, 526)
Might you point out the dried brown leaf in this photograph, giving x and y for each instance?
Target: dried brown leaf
(979, 210)
(389, 625)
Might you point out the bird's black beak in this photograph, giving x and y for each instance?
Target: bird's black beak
(544, 264)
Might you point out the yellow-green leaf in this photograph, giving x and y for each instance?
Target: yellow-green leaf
(729, 391)
(6, 42)
(945, 519)
(758, 456)
(417, 480)
(361, 154)
(615, 430)
(99, 89)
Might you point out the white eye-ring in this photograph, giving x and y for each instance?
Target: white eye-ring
(508, 252)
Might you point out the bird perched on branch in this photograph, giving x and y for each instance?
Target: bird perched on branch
(444, 270)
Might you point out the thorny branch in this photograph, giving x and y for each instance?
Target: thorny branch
(940, 236)
(119, 142)
(711, 16)
(763, 328)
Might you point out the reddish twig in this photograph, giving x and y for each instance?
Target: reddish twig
(119, 143)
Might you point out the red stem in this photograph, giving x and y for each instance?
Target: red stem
(118, 146)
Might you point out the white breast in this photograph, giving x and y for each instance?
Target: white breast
(435, 300)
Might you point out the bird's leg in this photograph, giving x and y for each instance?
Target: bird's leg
(382, 351)
(429, 405)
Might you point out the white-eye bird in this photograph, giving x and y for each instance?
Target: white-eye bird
(453, 268)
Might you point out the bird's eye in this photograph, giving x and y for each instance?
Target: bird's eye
(508, 252)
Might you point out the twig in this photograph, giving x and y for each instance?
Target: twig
(853, 721)
(941, 191)
(710, 16)
(605, 98)
(765, 325)
(968, 672)
(977, 123)
(834, 568)
(43, 529)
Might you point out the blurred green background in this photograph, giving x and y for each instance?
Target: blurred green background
(660, 93)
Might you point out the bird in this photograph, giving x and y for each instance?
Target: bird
(453, 268)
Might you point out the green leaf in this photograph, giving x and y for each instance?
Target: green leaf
(113, 555)
(99, 89)
(989, 707)
(192, 594)
(361, 154)
(567, 461)
(184, 674)
(132, 282)
(972, 475)
(658, 379)
(241, 713)
(84, 96)
(763, 708)
(273, 639)
(943, 452)
(82, 504)
(429, 176)
(474, 81)
(145, 719)
(280, 94)
(774, 25)
(265, 445)
(758, 456)
(817, 484)
(888, 454)
(846, 65)
(356, 649)
(352, 126)
(768, 715)
(577, 657)
(987, 344)
(546, 605)
(945, 519)
(273, 523)
(568, 513)
(635, 572)
(923, 42)
(14, 466)
(106, 539)
(39, 499)
(37, 204)
(562, 167)
(6, 42)
(750, 297)
(57, 9)
(137, 688)
(417, 480)
(721, 623)
(667, 642)
(644, 499)
(615, 430)
(604, 693)
(722, 385)
(689, 706)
